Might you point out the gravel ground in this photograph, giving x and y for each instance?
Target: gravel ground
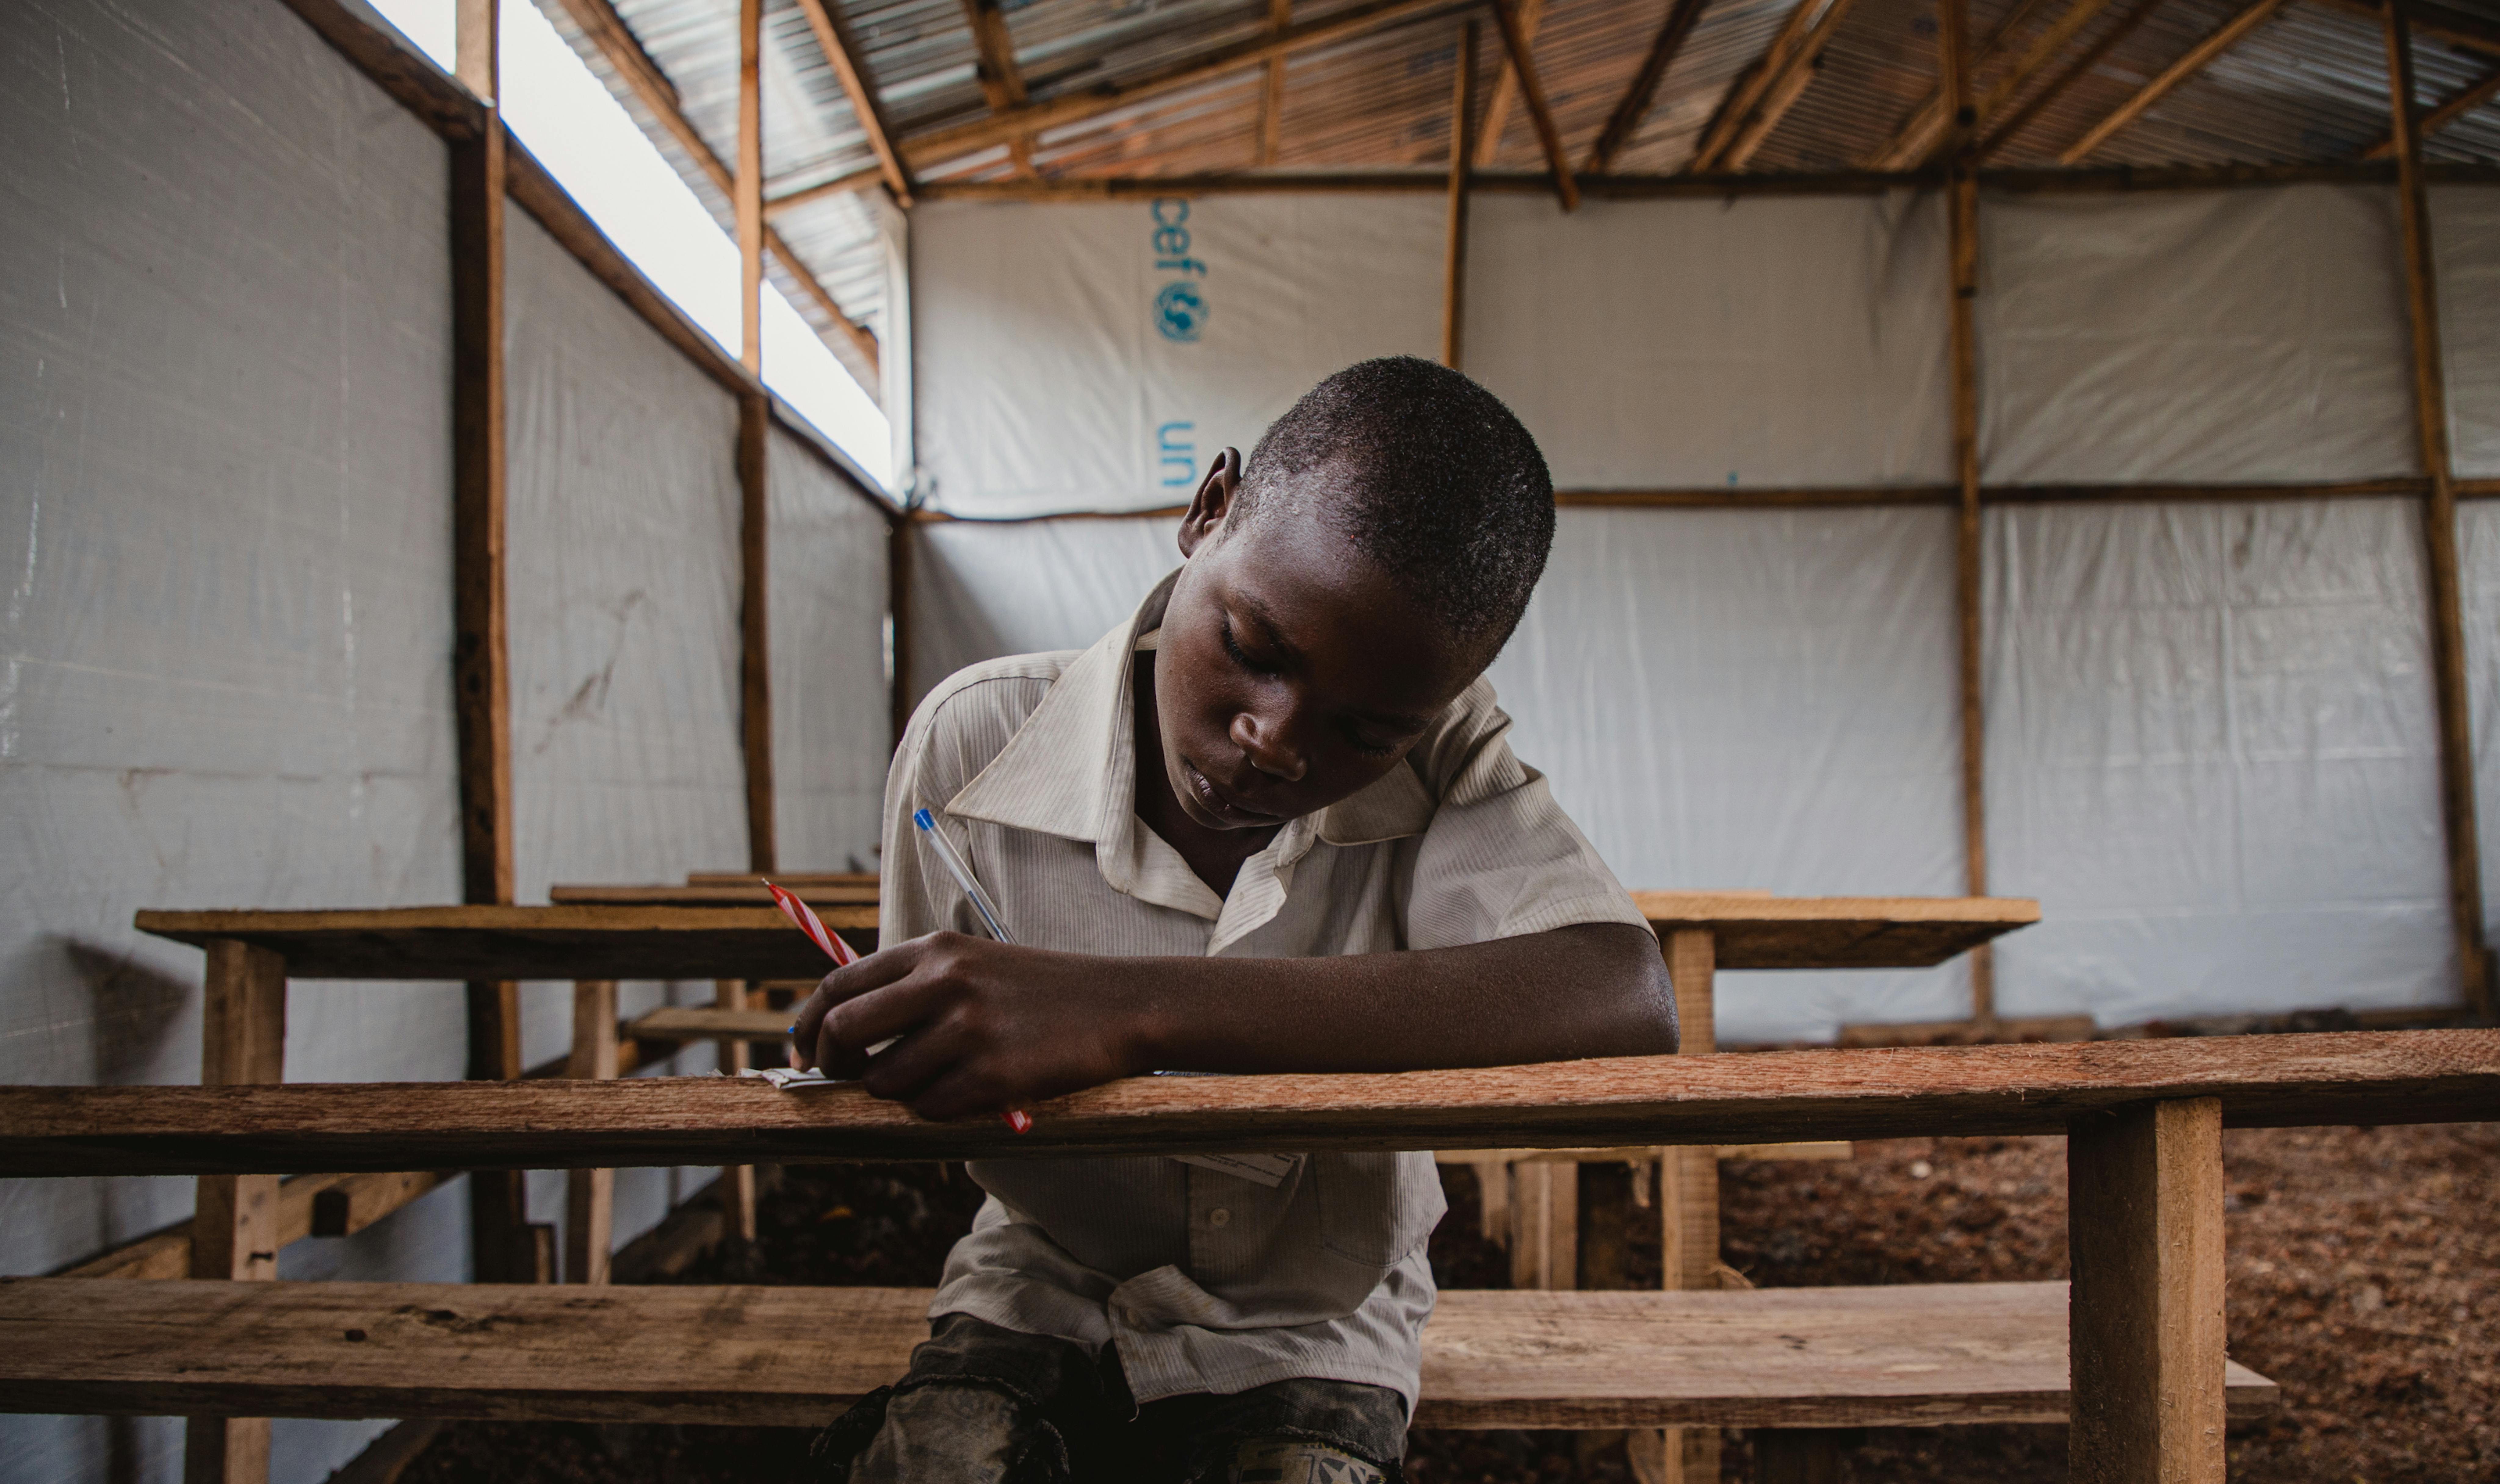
(2362, 1273)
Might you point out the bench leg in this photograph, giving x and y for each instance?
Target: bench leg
(590, 1195)
(737, 1181)
(2145, 1327)
(1796, 1456)
(1688, 1192)
(502, 1246)
(1544, 1224)
(234, 1222)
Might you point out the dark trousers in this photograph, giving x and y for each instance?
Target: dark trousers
(995, 1405)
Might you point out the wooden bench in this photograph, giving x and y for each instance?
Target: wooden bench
(794, 1357)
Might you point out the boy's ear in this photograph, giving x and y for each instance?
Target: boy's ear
(1213, 501)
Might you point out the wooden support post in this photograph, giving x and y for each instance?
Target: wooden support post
(234, 1225)
(1453, 257)
(897, 616)
(737, 1181)
(499, 1240)
(754, 429)
(2146, 1336)
(1963, 230)
(2439, 530)
(590, 1195)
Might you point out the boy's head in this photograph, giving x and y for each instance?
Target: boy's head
(1344, 587)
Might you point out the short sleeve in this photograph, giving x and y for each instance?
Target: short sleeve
(1501, 858)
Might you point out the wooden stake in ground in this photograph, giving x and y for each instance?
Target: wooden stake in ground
(1963, 229)
(590, 1195)
(2438, 531)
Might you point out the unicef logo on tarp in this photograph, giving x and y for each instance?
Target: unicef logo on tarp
(1180, 312)
(1180, 305)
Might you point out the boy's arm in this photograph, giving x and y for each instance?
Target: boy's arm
(989, 1026)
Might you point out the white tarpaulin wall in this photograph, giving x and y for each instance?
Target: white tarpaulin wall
(226, 484)
(2211, 752)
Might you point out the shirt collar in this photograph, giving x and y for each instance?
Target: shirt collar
(1072, 769)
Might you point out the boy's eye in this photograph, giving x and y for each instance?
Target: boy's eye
(1240, 656)
(1371, 747)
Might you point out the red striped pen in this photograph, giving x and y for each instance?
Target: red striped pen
(804, 919)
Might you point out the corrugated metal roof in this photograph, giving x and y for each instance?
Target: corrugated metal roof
(2307, 85)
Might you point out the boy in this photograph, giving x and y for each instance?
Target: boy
(1268, 825)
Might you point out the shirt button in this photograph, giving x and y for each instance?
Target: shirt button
(1219, 1218)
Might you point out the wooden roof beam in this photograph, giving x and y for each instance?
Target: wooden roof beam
(842, 53)
(1637, 98)
(2475, 33)
(1002, 80)
(1060, 110)
(1506, 91)
(1523, 61)
(2000, 132)
(1738, 101)
(2195, 60)
(599, 21)
(1794, 77)
(1916, 143)
(2463, 101)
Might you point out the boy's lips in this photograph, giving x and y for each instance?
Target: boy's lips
(1214, 802)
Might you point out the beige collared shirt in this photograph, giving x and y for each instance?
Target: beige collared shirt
(1210, 1281)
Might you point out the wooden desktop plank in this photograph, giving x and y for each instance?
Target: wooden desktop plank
(607, 940)
(712, 895)
(2362, 1077)
(796, 1356)
(568, 942)
(1836, 932)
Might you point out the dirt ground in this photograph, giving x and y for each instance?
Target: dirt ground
(2363, 1269)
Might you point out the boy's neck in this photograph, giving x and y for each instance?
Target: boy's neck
(1214, 856)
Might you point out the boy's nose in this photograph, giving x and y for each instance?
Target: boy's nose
(1263, 744)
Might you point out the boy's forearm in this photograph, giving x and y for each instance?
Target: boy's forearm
(1596, 989)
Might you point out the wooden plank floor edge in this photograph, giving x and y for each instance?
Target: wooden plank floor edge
(2365, 1077)
(794, 1355)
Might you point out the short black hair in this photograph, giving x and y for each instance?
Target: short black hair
(1427, 475)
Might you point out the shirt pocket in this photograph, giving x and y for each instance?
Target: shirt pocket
(1376, 1208)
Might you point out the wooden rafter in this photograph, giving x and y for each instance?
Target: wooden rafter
(1271, 99)
(2195, 60)
(1794, 76)
(1923, 134)
(1060, 110)
(1001, 80)
(1523, 61)
(599, 20)
(842, 53)
(1637, 98)
(1506, 90)
(2463, 101)
(1998, 133)
(2475, 33)
(862, 180)
(1737, 104)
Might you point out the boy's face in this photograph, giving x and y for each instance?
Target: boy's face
(1292, 672)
